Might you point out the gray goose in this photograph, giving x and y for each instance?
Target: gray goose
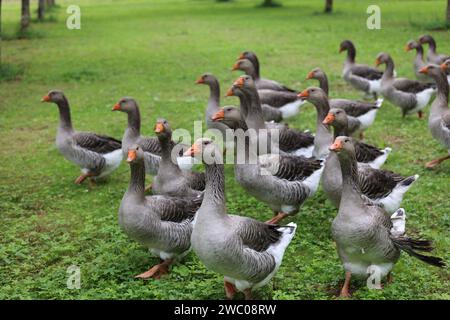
(281, 181)
(285, 101)
(132, 135)
(171, 180)
(260, 83)
(439, 120)
(364, 112)
(213, 102)
(365, 153)
(381, 186)
(360, 76)
(433, 56)
(245, 251)
(418, 60)
(163, 224)
(366, 239)
(409, 95)
(291, 141)
(97, 155)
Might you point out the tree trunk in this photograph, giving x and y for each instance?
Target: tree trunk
(50, 3)
(41, 9)
(329, 6)
(25, 19)
(448, 11)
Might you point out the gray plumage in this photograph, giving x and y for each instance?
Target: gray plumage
(132, 135)
(419, 62)
(433, 56)
(170, 180)
(97, 155)
(362, 230)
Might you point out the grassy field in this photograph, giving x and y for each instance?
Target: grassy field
(154, 51)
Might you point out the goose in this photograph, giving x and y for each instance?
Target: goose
(381, 186)
(284, 182)
(439, 120)
(365, 153)
(260, 83)
(286, 101)
(418, 60)
(360, 76)
(132, 135)
(410, 95)
(247, 252)
(446, 68)
(365, 239)
(364, 112)
(97, 155)
(171, 180)
(433, 56)
(290, 140)
(163, 224)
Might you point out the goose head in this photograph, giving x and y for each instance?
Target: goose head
(432, 69)
(316, 73)
(125, 104)
(426, 38)
(244, 65)
(411, 45)
(343, 146)
(135, 154)
(206, 78)
(54, 96)
(336, 117)
(250, 55)
(382, 58)
(314, 95)
(226, 114)
(346, 45)
(162, 129)
(205, 150)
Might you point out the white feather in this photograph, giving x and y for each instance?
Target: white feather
(374, 86)
(379, 161)
(312, 182)
(291, 109)
(367, 119)
(423, 98)
(113, 160)
(393, 201)
(306, 152)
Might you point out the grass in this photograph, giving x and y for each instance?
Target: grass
(154, 51)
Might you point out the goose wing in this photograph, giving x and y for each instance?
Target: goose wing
(289, 167)
(411, 86)
(366, 152)
(291, 139)
(377, 183)
(257, 235)
(175, 209)
(97, 143)
(366, 72)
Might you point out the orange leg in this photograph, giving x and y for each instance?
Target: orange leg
(83, 177)
(420, 114)
(436, 162)
(277, 218)
(230, 290)
(345, 288)
(157, 271)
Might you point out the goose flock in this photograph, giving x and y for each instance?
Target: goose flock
(278, 165)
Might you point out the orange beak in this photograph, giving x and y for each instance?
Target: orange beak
(407, 48)
(303, 94)
(45, 99)
(239, 82)
(131, 156)
(219, 115)
(159, 127)
(444, 67)
(116, 107)
(230, 92)
(235, 67)
(377, 62)
(329, 119)
(424, 70)
(310, 75)
(192, 151)
(200, 80)
(336, 146)
(341, 49)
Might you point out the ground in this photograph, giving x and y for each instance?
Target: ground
(154, 51)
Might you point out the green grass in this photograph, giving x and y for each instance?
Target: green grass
(154, 51)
